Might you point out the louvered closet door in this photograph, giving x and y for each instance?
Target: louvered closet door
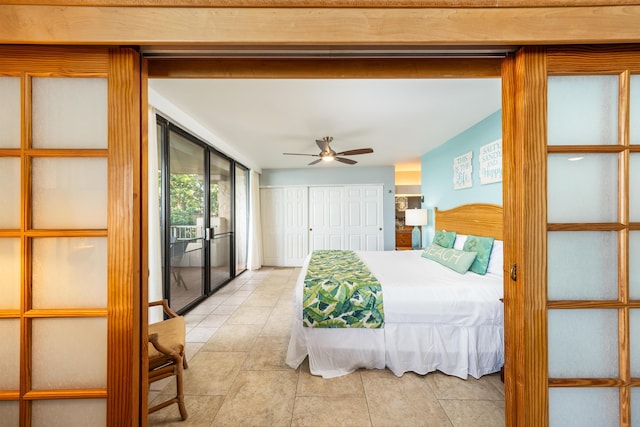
(66, 260)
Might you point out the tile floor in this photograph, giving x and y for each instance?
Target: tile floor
(236, 345)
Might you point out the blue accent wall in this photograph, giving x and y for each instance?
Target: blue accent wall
(437, 170)
(319, 175)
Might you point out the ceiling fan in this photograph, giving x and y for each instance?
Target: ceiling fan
(327, 154)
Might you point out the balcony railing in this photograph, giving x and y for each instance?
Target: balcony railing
(183, 232)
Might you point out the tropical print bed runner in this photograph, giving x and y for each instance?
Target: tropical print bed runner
(341, 292)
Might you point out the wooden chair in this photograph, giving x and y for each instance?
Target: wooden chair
(167, 354)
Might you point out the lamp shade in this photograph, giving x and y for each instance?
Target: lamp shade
(415, 217)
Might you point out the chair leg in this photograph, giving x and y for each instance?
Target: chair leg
(180, 391)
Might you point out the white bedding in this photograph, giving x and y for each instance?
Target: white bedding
(435, 319)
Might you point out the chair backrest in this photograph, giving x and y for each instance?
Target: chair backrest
(178, 249)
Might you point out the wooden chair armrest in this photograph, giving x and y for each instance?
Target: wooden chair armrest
(165, 306)
(153, 339)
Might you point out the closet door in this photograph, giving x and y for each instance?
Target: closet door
(326, 218)
(296, 223)
(272, 213)
(363, 218)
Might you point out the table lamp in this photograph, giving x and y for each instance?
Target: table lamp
(415, 217)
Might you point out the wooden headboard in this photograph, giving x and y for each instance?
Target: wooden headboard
(480, 219)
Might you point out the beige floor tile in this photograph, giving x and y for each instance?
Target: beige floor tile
(474, 413)
(269, 289)
(450, 387)
(192, 348)
(212, 373)
(259, 398)
(268, 354)
(192, 320)
(200, 334)
(497, 382)
(330, 411)
(217, 299)
(250, 285)
(162, 384)
(203, 308)
(278, 324)
(233, 338)
(201, 411)
(315, 386)
(261, 300)
(213, 320)
(152, 395)
(236, 299)
(225, 309)
(401, 401)
(249, 316)
(242, 292)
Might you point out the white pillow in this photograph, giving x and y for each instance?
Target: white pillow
(496, 258)
(459, 242)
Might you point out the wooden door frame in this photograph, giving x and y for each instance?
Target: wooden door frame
(496, 67)
(524, 180)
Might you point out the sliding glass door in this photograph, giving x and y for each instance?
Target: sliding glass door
(220, 235)
(186, 198)
(200, 203)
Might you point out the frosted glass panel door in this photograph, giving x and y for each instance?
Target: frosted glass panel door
(53, 248)
(71, 236)
(582, 110)
(10, 192)
(9, 112)
(592, 249)
(68, 268)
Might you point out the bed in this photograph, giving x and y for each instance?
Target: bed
(434, 318)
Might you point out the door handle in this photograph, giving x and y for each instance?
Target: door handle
(209, 233)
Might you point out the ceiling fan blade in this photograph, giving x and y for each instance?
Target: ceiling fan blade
(300, 154)
(322, 144)
(344, 160)
(354, 152)
(314, 162)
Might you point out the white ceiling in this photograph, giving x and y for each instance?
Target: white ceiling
(401, 119)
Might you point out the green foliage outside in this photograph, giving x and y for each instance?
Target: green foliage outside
(187, 196)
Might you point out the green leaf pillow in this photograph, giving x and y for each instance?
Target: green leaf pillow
(482, 246)
(444, 238)
(457, 260)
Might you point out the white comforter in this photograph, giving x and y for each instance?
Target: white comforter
(435, 319)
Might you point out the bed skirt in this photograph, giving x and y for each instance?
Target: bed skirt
(419, 348)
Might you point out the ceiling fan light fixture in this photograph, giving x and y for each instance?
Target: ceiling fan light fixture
(328, 155)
